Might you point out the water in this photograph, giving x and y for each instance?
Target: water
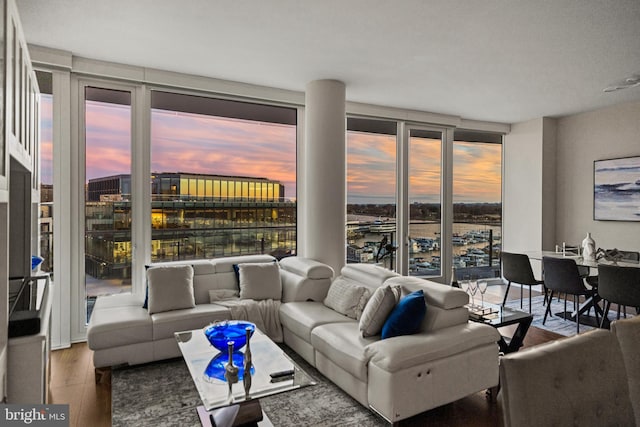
(370, 241)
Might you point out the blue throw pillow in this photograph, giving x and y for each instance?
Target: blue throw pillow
(406, 317)
(146, 298)
(145, 305)
(236, 270)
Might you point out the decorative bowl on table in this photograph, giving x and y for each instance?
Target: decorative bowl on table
(220, 333)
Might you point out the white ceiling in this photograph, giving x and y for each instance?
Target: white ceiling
(494, 60)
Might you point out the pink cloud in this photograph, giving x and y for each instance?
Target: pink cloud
(46, 139)
(182, 142)
(108, 139)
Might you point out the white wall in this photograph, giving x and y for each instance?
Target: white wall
(582, 138)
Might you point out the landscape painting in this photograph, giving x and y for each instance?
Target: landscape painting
(616, 189)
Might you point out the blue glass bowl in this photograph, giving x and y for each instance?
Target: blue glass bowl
(220, 333)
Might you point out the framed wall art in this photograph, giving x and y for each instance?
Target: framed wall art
(616, 189)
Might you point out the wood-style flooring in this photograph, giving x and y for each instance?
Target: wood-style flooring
(73, 382)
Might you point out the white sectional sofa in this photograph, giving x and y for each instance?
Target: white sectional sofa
(447, 359)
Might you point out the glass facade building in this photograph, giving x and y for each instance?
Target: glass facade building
(193, 216)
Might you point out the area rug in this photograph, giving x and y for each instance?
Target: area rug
(163, 394)
(556, 323)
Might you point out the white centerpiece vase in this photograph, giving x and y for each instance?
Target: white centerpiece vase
(589, 248)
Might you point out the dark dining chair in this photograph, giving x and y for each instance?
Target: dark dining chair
(516, 268)
(627, 256)
(619, 285)
(561, 275)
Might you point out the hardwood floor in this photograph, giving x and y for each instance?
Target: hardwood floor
(73, 383)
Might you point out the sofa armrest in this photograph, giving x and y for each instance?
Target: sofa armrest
(435, 294)
(307, 267)
(394, 354)
(304, 279)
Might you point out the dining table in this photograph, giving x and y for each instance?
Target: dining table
(592, 301)
(580, 260)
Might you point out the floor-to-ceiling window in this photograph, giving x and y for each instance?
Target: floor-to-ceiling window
(223, 178)
(448, 185)
(477, 202)
(425, 201)
(46, 171)
(371, 191)
(107, 192)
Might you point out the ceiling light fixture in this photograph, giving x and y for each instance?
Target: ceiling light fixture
(631, 81)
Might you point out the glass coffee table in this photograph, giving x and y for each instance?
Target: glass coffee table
(267, 358)
(498, 317)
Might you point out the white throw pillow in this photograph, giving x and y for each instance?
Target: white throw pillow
(170, 288)
(377, 310)
(222, 294)
(260, 281)
(346, 298)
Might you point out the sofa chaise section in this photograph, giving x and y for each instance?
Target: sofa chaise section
(398, 377)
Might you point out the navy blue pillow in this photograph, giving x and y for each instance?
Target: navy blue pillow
(236, 270)
(145, 305)
(406, 317)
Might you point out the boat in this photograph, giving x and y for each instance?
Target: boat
(379, 226)
(458, 241)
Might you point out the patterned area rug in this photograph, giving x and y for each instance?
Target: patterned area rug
(556, 323)
(163, 394)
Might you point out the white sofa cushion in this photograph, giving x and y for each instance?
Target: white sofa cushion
(302, 317)
(377, 310)
(399, 352)
(347, 297)
(168, 322)
(116, 325)
(223, 294)
(260, 281)
(342, 344)
(170, 288)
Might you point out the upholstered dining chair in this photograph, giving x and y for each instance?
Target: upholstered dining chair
(516, 268)
(627, 256)
(619, 285)
(561, 275)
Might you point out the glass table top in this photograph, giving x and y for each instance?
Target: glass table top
(203, 360)
(498, 316)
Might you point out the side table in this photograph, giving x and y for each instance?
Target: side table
(504, 316)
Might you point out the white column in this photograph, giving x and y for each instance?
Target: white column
(323, 164)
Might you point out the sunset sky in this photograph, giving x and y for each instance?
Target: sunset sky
(184, 142)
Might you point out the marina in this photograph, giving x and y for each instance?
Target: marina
(474, 244)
